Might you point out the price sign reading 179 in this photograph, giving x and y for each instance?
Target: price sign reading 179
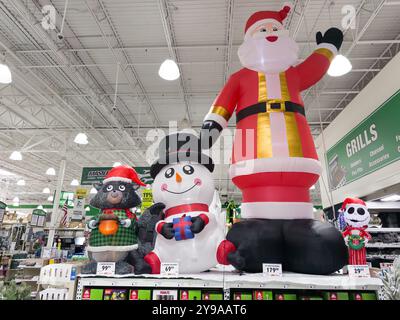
(272, 270)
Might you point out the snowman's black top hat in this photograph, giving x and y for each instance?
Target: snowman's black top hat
(179, 147)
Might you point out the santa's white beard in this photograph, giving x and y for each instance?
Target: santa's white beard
(260, 55)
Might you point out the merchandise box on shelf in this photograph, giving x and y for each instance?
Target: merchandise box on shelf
(190, 295)
(336, 295)
(115, 294)
(242, 296)
(262, 295)
(139, 294)
(212, 295)
(285, 296)
(363, 296)
(165, 294)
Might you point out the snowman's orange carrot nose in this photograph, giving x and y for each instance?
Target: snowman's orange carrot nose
(178, 178)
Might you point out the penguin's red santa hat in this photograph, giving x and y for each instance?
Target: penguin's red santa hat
(353, 201)
(261, 17)
(124, 174)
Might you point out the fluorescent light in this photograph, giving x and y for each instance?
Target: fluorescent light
(50, 198)
(40, 207)
(93, 190)
(21, 182)
(74, 182)
(117, 164)
(87, 209)
(5, 173)
(340, 65)
(169, 70)
(16, 202)
(393, 197)
(51, 172)
(16, 155)
(46, 190)
(81, 138)
(5, 74)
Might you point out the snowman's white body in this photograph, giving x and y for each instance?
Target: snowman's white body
(199, 253)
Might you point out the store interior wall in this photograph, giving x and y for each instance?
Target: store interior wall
(382, 87)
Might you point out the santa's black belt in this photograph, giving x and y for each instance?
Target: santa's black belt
(286, 106)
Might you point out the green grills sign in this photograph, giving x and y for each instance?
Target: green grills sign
(372, 145)
(92, 175)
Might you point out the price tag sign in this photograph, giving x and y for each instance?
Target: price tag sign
(359, 271)
(169, 269)
(272, 270)
(105, 268)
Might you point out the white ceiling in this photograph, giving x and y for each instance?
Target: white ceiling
(62, 87)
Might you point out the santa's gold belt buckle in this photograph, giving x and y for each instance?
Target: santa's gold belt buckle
(272, 106)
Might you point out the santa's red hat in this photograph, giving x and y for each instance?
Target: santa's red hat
(123, 174)
(263, 16)
(348, 201)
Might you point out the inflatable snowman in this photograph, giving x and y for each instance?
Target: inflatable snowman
(192, 231)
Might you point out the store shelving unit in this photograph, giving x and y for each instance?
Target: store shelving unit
(231, 281)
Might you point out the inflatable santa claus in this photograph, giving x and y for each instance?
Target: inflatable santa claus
(274, 160)
(357, 218)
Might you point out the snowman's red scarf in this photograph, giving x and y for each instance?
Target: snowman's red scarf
(186, 208)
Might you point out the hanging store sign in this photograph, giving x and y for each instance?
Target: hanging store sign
(2, 211)
(91, 175)
(147, 199)
(370, 146)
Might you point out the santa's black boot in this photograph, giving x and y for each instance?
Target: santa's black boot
(313, 247)
(257, 241)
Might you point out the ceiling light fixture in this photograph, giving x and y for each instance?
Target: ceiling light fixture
(81, 138)
(340, 65)
(21, 182)
(46, 190)
(51, 172)
(16, 155)
(74, 182)
(5, 74)
(93, 190)
(392, 197)
(169, 70)
(16, 202)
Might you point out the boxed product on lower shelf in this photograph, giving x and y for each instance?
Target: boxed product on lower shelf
(139, 294)
(165, 294)
(190, 295)
(285, 296)
(212, 295)
(115, 294)
(336, 295)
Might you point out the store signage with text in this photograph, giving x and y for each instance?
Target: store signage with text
(105, 268)
(371, 145)
(91, 175)
(272, 270)
(169, 269)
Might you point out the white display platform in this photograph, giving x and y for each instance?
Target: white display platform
(227, 278)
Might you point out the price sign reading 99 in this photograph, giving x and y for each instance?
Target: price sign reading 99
(105, 268)
(272, 270)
